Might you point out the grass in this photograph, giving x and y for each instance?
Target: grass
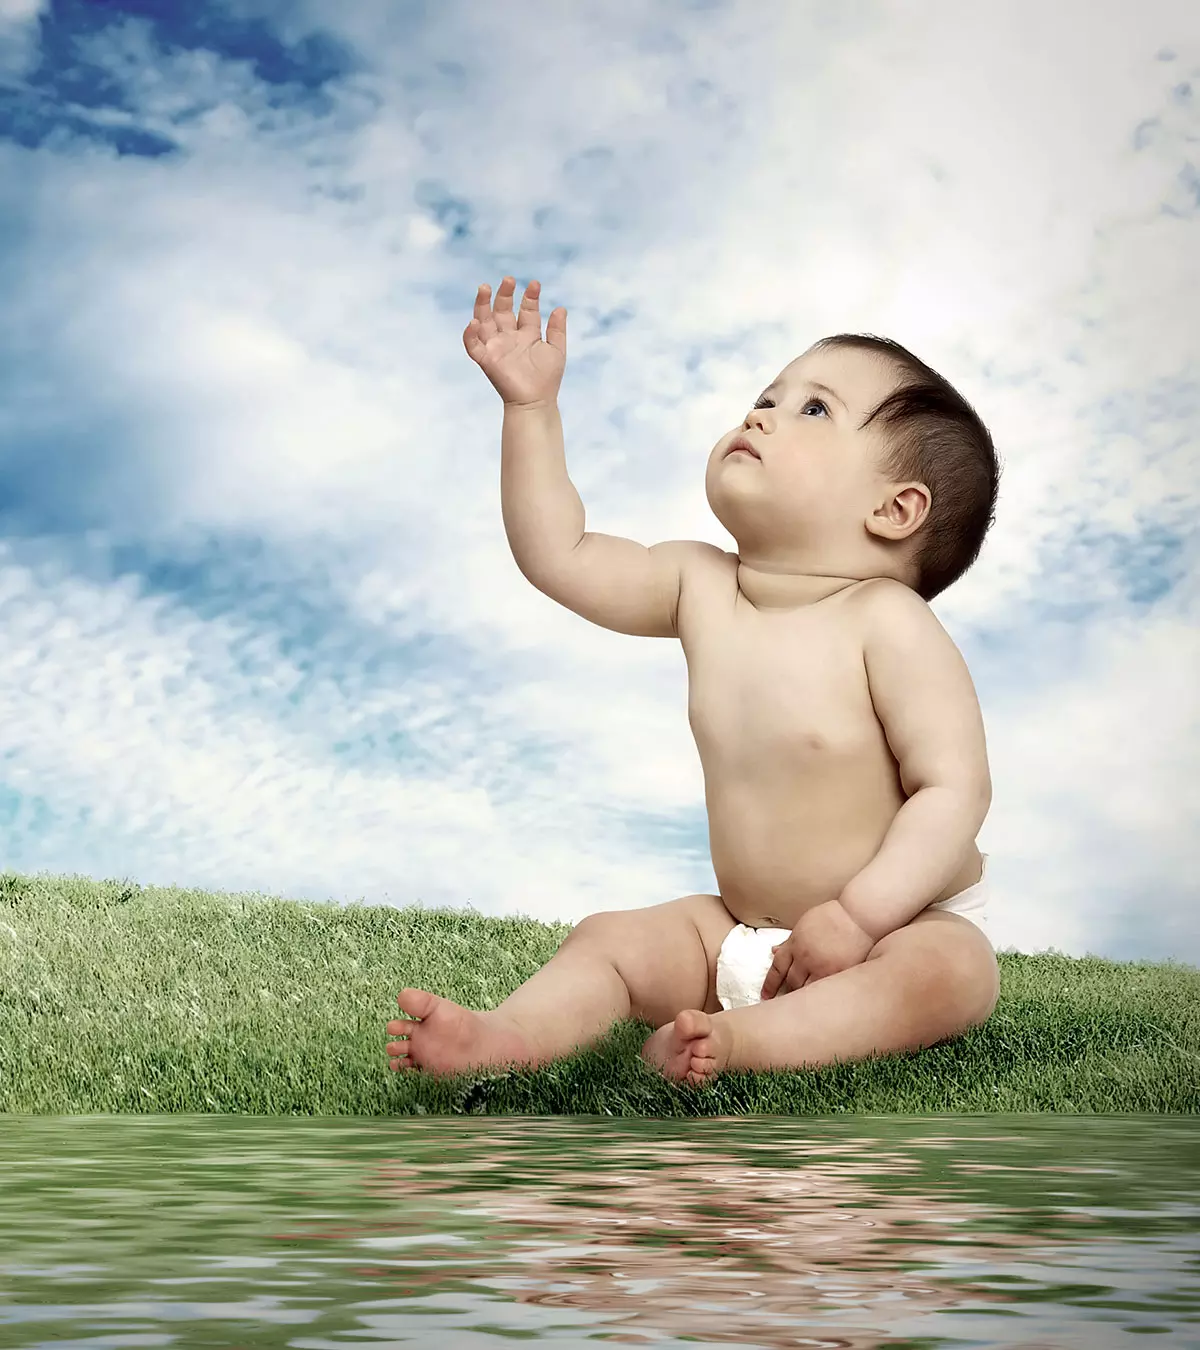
(117, 998)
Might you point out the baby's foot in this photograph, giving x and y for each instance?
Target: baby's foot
(695, 1047)
(450, 1038)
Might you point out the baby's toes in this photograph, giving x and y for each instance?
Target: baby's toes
(417, 1002)
(399, 1052)
(702, 1069)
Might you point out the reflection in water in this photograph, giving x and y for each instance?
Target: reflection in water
(769, 1231)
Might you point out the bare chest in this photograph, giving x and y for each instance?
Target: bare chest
(785, 687)
(799, 781)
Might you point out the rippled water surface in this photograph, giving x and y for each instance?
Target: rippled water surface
(1029, 1231)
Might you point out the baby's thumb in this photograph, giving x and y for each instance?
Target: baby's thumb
(556, 329)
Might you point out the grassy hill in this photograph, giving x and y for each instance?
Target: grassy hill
(119, 998)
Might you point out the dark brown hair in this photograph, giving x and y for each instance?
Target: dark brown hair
(934, 437)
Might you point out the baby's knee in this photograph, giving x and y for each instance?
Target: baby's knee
(602, 929)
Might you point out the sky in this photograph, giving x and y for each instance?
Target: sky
(260, 628)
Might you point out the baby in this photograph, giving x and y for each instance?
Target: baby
(845, 769)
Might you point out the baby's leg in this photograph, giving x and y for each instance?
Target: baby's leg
(920, 985)
(647, 963)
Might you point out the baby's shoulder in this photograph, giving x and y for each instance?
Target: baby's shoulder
(894, 619)
(884, 604)
(878, 595)
(707, 563)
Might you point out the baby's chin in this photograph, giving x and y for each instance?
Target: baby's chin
(743, 510)
(731, 482)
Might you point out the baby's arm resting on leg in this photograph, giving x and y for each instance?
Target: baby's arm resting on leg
(925, 699)
(825, 941)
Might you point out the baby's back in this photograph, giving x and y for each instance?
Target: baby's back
(800, 783)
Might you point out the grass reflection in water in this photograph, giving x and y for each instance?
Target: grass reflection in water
(983, 1231)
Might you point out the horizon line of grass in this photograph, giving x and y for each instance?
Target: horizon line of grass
(118, 998)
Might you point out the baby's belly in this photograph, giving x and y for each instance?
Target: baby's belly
(781, 847)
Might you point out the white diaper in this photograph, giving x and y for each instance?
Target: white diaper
(743, 962)
(972, 903)
(746, 956)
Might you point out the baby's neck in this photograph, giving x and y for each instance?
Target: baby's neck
(769, 587)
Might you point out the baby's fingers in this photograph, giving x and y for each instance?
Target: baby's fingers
(529, 315)
(774, 976)
(483, 302)
(529, 319)
(556, 329)
(502, 306)
(481, 327)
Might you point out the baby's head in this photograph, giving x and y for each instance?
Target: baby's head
(871, 464)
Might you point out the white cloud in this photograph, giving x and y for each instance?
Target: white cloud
(17, 12)
(18, 36)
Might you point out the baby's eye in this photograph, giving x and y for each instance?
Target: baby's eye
(765, 402)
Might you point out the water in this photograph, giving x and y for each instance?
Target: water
(1014, 1231)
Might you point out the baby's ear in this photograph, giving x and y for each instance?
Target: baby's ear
(903, 513)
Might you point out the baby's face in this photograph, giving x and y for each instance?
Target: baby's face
(817, 475)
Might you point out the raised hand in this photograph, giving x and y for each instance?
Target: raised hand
(509, 349)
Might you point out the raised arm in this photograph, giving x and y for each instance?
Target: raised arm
(614, 582)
